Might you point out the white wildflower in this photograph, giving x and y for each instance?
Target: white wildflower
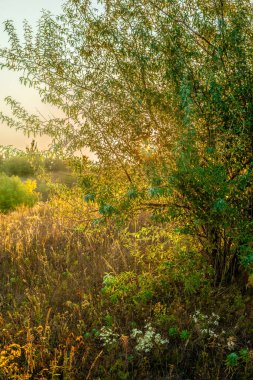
(206, 324)
(147, 339)
(135, 332)
(107, 336)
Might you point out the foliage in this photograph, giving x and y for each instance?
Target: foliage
(143, 269)
(161, 90)
(13, 192)
(44, 167)
(83, 300)
(17, 166)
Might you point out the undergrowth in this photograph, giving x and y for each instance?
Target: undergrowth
(84, 300)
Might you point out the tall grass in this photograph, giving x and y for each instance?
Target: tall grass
(75, 295)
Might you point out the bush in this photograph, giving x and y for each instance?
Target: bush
(19, 166)
(13, 192)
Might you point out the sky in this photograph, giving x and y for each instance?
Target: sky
(17, 11)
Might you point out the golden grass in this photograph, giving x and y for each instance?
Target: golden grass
(53, 297)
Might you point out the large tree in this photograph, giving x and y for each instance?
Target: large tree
(164, 85)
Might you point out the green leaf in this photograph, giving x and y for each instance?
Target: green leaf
(155, 192)
(184, 335)
(107, 210)
(220, 205)
(172, 331)
(232, 359)
(89, 198)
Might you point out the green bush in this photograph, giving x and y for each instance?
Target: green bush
(19, 166)
(14, 192)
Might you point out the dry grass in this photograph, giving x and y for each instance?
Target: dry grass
(53, 261)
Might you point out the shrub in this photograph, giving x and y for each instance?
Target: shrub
(14, 192)
(19, 166)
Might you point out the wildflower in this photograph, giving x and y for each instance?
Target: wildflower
(107, 336)
(146, 340)
(135, 332)
(207, 324)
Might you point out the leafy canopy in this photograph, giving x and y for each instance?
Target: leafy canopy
(160, 89)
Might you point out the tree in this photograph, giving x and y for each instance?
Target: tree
(162, 86)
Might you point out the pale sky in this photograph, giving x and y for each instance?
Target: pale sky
(18, 10)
